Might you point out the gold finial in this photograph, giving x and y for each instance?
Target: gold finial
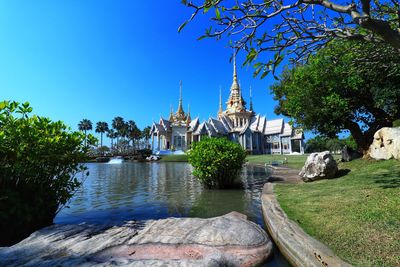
(180, 113)
(251, 100)
(220, 100)
(171, 113)
(180, 92)
(234, 65)
(188, 118)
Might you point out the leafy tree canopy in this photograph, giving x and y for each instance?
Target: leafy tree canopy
(322, 143)
(345, 86)
(297, 27)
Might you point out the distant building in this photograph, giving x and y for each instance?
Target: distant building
(253, 132)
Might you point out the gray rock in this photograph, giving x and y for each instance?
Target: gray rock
(229, 240)
(153, 158)
(319, 166)
(386, 144)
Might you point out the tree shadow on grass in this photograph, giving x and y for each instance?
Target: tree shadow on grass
(388, 180)
(342, 172)
(274, 179)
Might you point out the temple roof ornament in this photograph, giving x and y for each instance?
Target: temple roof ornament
(171, 113)
(251, 101)
(180, 111)
(220, 111)
(235, 102)
(188, 118)
(179, 117)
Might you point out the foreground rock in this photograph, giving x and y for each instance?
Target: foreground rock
(229, 240)
(319, 166)
(386, 144)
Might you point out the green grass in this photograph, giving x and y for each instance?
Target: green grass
(356, 215)
(174, 158)
(293, 161)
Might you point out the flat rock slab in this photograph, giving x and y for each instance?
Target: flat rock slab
(229, 240)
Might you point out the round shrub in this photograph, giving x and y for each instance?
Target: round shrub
(39, 161)
(217, 162)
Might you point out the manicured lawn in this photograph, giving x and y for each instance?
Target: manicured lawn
(293, 161)
(356, 215)
(174, 158)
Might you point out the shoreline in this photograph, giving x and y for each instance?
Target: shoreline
(299, 248)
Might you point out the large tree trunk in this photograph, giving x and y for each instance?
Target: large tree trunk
(85, 139)
(365, 139)
(359, 137)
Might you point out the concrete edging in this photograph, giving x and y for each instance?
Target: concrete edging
(299, 248)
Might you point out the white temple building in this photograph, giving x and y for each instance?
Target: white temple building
(253, 132)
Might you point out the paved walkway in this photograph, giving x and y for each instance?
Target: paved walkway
(284, 175)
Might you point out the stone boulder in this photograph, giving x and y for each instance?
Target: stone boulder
(386, 144)
(319, 166)
(153, 158)
(229, 240)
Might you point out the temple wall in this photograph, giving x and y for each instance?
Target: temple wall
(178, 137)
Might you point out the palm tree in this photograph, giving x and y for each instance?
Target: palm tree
(101, 127)
(134, 132)
(146, 135)
(111, 134)
(118, 124)
(85, 125)
(123, 132)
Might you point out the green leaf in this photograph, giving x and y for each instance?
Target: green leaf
(217, 13)
(182, 26)
(3, 104)
(265, 73)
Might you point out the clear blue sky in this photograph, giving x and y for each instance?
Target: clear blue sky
(97, 59)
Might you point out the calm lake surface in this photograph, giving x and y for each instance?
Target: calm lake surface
(114, 193)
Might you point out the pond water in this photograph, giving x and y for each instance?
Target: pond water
(114, 193)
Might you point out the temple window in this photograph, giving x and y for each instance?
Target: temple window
(285, 146)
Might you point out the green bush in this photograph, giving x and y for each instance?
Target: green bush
(144, 153)
(396, 123)
(217, 162)
(39, 163)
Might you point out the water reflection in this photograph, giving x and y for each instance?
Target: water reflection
(137, 191)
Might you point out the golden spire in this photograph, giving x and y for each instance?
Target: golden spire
(220, 101)
(234, 65)
(251, 100)
(180, 97)
(235, 102)
(171, 113)
(235, 88)
(180, 114)
(188, 118)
